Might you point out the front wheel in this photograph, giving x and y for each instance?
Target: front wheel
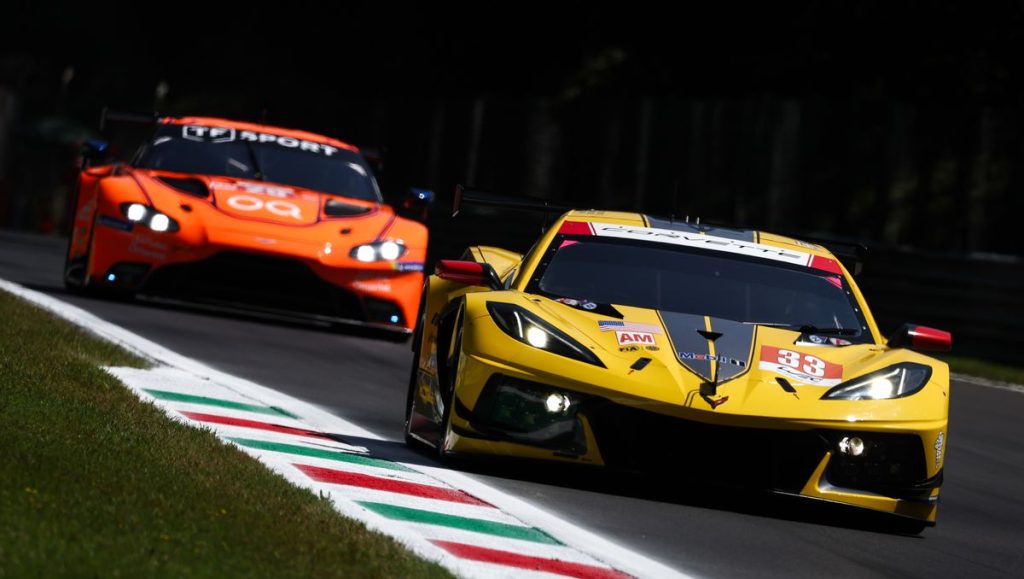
(410, 398)
(448, 390)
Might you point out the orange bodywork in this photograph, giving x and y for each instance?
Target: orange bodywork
(249, 222)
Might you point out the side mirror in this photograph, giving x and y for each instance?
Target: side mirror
(93, 149)
(419, 201)
(468, 273)
(921, 338)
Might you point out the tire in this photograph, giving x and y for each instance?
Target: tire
(76, 270)
(410, 398)
(448, 389)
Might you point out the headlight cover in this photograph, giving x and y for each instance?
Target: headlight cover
(533, 331)
(378, 251)
(150, 217)
(894, 381)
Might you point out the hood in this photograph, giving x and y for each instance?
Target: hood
(266, 202)
(259, 200)
(684, 351)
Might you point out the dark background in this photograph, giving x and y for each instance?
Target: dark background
(898, 124)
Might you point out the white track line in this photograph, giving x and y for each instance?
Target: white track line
(1018, 388)
(313, 417)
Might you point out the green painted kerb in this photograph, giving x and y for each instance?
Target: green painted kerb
(320, 453)
(464, 523)
(178, 397)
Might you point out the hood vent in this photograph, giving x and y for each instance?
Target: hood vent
(193, 187)
(335, 208)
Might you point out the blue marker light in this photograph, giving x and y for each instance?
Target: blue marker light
(394, 319)
(111, 277)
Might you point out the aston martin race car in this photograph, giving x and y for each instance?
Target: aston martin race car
(235, 215)
(733, 356)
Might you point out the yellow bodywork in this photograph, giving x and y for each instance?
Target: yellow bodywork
(751, 400)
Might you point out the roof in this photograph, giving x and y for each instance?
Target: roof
(732, 240)
(255, 127)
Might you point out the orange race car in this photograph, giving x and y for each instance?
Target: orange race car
(234, 215)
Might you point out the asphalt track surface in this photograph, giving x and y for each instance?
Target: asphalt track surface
(704, 531)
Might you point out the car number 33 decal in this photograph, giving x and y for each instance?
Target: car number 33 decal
(801, 367)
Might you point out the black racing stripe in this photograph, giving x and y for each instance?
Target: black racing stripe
(734, 348)
(690, 347)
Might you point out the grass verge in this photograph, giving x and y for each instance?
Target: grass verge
(985, 369)
(95, 483)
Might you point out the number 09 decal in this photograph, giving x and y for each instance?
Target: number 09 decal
(799, 366)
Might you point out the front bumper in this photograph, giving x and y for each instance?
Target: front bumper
(900, 473)
(259, 273)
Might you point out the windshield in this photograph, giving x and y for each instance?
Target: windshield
(250, 155)
(693, 281)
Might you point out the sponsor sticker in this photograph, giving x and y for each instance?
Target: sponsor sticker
(635, 338)
(278, 207)
(227, 135)
(636, 348)
(721, 359)
(256, 188)
(939, 441)
(373, 286)
(115, 223)
(618, 325)
(703, 241)
(148, 247)
(801, 367)
(408, 266)
(816, 340)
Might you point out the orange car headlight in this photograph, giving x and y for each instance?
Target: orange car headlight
(150, 217)
(378, 251)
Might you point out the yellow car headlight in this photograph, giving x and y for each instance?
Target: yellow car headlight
(529, 329)
(895, 381)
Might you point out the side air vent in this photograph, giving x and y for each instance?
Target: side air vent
(193, 187)
(335, 208)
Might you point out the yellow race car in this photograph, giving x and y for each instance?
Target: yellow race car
(733, 355)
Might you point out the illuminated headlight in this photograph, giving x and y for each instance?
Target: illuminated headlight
(136, 212)
(851, 446)
(536, 337)
(159, 222)
(139, 213)
(365, 253)
(389, 250)
(896, 381)
(529, 329)
(557, 403)
(378, 251)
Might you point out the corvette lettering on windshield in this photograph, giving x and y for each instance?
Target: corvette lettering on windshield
(227, 135)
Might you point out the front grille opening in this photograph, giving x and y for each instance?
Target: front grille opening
(639, 440)
(890, 462)
(193, 187)
(257, 281)
(383, 311)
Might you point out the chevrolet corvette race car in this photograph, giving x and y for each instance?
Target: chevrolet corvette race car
(739, 357)
(237, 215)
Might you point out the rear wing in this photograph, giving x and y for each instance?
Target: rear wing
(108, 116)
(464, 196)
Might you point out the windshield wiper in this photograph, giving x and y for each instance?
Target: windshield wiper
(811, 329)
(255, 161)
